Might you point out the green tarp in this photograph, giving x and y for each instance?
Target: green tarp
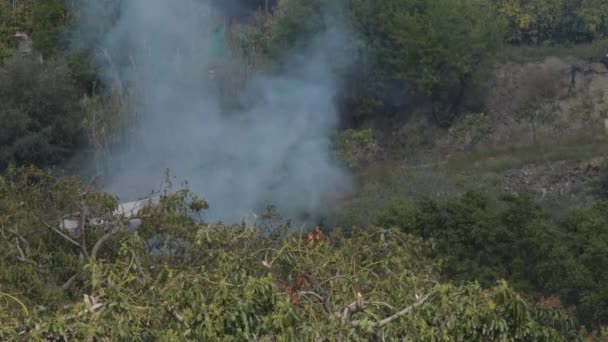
(216, 46)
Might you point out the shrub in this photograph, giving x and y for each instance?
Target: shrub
(483, 239)
(356, 148)
(39, 107)
(471, 130)
(486, 239)
(230, 282)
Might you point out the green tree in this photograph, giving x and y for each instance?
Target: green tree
(355, 148)
(579, 276)
(229, 282)
(472, 129)
(50, 20)
(482, 238)
(13, 20)
(39, 106)
(594, 14)
(436, 47)
(511, 238)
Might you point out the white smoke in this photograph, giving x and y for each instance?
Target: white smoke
(277, 150)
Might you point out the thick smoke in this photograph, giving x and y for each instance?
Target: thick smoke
(275, 150)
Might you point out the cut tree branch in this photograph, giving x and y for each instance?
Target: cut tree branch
(84, 212)
(21, 252)
(23, 247)
(177, 316)
(351, 309)
(70, 281)
(22, 244)
(105, 237)
(391, 318)
(66, 237)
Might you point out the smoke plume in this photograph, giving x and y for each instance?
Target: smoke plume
(273, 147)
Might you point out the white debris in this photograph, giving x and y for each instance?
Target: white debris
(127, 210)
(130, 209)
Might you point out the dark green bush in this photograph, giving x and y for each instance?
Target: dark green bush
(217, 282)
(483, 239)
(511, 238)
(40, 111)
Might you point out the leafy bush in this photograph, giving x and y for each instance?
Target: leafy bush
(50, 19)
(511, 238)
(483, 239)
(222, 282)
(12, 20)
(472, 129)
(579, 276)
(557, 21)
(355, 148)
(435, 47)
(40, 112)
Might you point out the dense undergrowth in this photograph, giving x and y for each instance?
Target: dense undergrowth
(179, 278)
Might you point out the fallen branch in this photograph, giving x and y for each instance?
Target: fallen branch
(24, 250)
(105, 237)
(23, 247)
(70, 281)
(60, 233)
(350, 310)
(338, 277)
(177, 316)
(22, 254)
(312, 294)
(84, 213)
(102, 240)
(391, 318)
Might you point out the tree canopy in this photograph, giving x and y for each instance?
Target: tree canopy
(180, 278)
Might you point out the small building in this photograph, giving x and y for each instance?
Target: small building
(24, 43)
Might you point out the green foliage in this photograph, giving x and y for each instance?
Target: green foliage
(600, 186)
(579, 277)
(510, 238)
(435, 46)
(428, 47)
(12, 20)
(594, 14)
(32, 204)
(288, 25)
(40, 111)
(483, 239)
(472, 129)
(219, 282)
(181, 278)
(583, 111)
(50, 19)
(355, 148)
(45, 21)
(536, 114)
(557, 21)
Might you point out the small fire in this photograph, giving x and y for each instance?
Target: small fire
(315, 236)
